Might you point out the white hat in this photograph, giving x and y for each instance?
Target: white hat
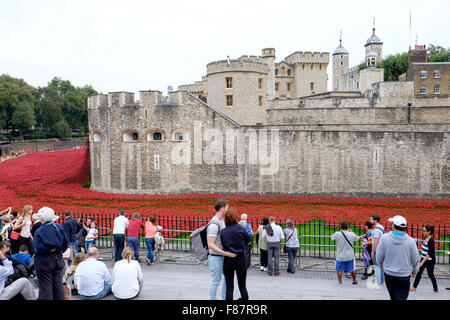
(47, 214)
(399, 221)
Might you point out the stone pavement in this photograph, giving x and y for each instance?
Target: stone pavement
(168, 281)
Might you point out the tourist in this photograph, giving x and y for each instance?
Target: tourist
(127, 276)
(292, 245)
(274, 234)
(92, 235)
(345, 256)
(428, 259)
(235, 239)
(121, 223)
(92, 277)
(216, 251)
(23, 255)
(134, 229)
(398, 256)
(36, 224)
(248, 228)
(50, 241)
(151, 228)
(6, 227)
(377, 232)
(81, 236)
(262, 244)
(367, 248)
(70, 275)
(21, 286)
(71, 227)
(23, 226)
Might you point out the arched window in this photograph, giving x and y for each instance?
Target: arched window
(373, 62)
(155, 136)
(130, 136)
(289, 72)
(276, 72)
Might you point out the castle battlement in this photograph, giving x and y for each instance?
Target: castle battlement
(308, 57)
(244, 64)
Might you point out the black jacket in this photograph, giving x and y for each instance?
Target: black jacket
(235, 238)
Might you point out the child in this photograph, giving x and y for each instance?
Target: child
(23, 255)
(91, 236)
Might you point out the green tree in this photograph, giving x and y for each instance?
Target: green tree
(23, 117)
(62, 129)
(438, 54)
(394, 66)
(12, 92)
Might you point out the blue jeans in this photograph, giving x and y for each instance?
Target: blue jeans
(133, 243)
(88, 244)
(292, 253)
(106, 290)
(379, 273)
(74, 247)
(216, 268)
(119, 243)
(150, 242)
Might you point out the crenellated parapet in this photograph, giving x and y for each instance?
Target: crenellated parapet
(308, 57)
(243, 64)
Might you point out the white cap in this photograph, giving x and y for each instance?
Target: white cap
(47, 214)
(399, 221)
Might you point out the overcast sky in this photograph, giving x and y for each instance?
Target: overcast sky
(141, 45)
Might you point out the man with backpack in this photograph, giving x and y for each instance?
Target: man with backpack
(377, 232)
(345, 256)
(216, 253)
(274, 234)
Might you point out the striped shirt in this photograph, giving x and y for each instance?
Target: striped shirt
(425, 251)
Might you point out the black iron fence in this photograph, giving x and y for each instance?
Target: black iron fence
(314, 236)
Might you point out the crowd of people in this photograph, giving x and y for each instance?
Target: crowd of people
(64, 259)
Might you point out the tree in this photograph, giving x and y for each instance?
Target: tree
(394, 66)
(62, 129)
(23, 117)
(438, 54)
(12, 92)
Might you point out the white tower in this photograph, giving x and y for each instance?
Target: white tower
(340, 64)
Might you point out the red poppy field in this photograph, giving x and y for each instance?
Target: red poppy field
(57, 179)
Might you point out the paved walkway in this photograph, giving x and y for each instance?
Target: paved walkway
(166, 281)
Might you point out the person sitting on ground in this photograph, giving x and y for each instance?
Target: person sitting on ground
(92, 277)
(21, 286)
(23, 255)
(70, 275)
(345, 257)
(127, 276)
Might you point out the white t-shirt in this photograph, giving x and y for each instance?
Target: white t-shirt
(126, 279)
(91, 232)
(120, 224)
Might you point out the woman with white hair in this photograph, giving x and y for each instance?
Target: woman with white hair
(50, 243)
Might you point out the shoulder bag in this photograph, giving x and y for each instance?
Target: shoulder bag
(284, 248)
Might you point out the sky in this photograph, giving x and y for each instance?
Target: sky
(138, 45)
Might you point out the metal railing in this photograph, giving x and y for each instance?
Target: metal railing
(314, 239)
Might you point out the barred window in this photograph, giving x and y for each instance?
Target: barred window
(229, 100)
(260, 83)
(423, 90)
(229, 82)
(437, 89)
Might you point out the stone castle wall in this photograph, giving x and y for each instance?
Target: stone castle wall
(321, 152)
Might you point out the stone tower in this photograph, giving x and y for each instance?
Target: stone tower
(340, 64)
(268, 55)
(374, 49)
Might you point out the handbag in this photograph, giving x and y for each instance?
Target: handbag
(68, 254)
(284, 247)
(14, 235)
